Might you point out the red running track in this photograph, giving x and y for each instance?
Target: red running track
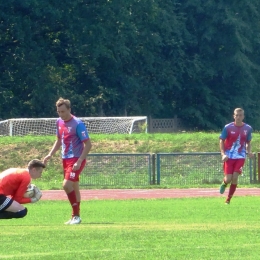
(122, 194)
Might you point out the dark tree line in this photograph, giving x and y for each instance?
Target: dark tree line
(192, 58)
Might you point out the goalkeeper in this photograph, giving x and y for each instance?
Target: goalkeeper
(13, 185)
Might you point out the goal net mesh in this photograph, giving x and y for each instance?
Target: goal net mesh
(95, 125)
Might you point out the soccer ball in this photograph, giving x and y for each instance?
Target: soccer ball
(30, 191)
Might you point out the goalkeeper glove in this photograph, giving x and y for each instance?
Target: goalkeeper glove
(37, 195)
(34, 199)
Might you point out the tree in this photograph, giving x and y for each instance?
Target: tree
(223, 74)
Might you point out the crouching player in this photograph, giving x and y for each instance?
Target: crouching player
(13, 185)
(10, 208)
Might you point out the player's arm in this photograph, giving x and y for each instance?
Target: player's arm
(222, 139)
(222, 150)
(18, 196)
(54, 149)
(249, 151)
(248, 144)
(82, 134)
(86, 150)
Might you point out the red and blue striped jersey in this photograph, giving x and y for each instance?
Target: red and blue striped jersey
(236, 138)
(72, 134)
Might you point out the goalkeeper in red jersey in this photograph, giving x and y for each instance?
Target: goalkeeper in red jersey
(13, 185)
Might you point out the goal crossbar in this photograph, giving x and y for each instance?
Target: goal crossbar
(95, 125)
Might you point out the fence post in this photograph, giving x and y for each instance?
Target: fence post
(158, 166)
(254, 168)
(258, 166)
(10, 128)
(251, 170)
(153, 168)
(149, 124)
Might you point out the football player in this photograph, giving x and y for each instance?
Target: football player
(13, 185)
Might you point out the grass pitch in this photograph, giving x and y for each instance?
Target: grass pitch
(190, 228)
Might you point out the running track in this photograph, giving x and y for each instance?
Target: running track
(122, 194)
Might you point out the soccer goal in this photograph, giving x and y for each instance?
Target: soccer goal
(95, 125)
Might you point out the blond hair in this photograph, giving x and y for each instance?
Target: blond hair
(238, 110)
(62, 101)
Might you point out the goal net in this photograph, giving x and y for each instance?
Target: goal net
(95, 125)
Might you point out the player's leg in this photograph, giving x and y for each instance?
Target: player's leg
(238, 167)
(224, 184)
(74, 198)
(10, 208)
(71, 187)
(232, 187)
(77, 192)
(76, 183)
(67, 184)
(228, 168)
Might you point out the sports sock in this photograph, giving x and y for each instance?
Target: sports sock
(232, 190)
(73, 202)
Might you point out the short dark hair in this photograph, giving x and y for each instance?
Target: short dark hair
(35, 163)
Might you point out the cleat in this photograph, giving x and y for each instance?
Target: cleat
(222, 187)
(75, 220)
(68, 222)
(227, 201)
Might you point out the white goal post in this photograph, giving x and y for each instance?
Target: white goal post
(95, 125)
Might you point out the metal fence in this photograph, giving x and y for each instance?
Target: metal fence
(117, 170)
(129, 170)
(197, 168)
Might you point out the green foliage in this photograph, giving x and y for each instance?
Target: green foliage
(194, 59)
(221, 75)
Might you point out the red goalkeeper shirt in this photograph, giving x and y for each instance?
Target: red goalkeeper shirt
(14, 183)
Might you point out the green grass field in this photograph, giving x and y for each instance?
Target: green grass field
(190, 228)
